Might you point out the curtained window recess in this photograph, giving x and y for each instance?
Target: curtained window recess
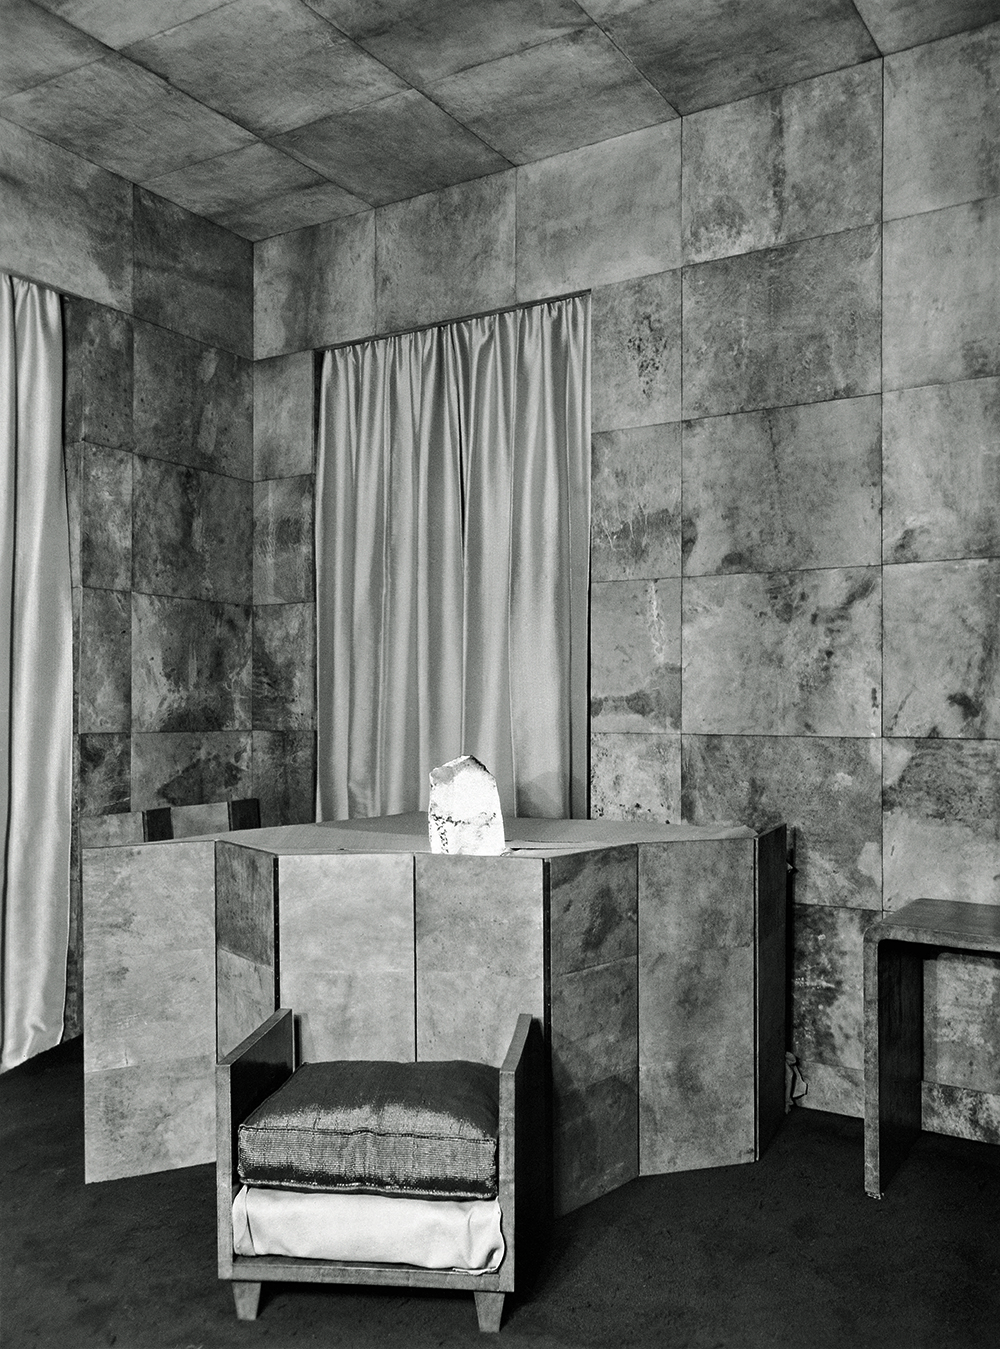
(36, 675)
(452, 554)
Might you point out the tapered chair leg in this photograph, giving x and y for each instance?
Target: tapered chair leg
(489, 1309)
(247, 1298)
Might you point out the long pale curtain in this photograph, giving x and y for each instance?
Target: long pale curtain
(452, 533)
(36, 674)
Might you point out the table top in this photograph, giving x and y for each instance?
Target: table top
(525, 837)
(941, 922)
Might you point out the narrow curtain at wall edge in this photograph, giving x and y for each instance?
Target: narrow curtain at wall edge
(36, 676)
(452, 562)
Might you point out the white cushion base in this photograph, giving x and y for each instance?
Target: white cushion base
(369, 1228)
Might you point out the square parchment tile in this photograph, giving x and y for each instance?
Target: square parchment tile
(142, 903)
(635, 776)
(104, 773)
(700, 56)
(283, 540)
(370, 894)
(192, 276)
(109, 831)
(941, 824)
(941, 638)
(284, 776)
(828, 983)
(193, 403)
(315, 287)
(635, 529)
(600, 214)
(828, 792)
(462, 1019)
(783, 653)
(346, 953)
(941, 295)
(178, 768)
(797, 324)
(446, 254)
(64, 219)
(131, 1135)
(141, 1003)
(284, 664)
(782, 488)
(943, 150)
(594, 1026)
(125, 118)
(789, 164)
(941, 471)
(106, 517)
(635, 653)
(908, 23)
(960, 1112)
(399, 147)
(244, 902)
(39, 45)
(217, 187)
(696, 898)
(351, 1013)
(283, 393)
(690, 1115)
(841, 1091)
(636, 361)
(105, 661)
(427, 39)
(592, 906)
(576, 89)
(961, 1006)
(98, 380)
(696, 1059)
(595, 1141)
(118, 25)
(267, 64)
(192, 532)
(190, 665)
(244, 998)
(291, 211)
(195, 821)
(479, 952)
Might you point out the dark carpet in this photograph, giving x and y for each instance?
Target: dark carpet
(787, 1252)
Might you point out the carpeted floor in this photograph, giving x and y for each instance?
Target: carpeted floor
(787, 1252)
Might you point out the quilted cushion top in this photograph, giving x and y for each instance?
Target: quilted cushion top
(425, 1129)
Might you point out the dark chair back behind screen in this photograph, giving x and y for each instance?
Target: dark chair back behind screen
(158, 823)
(244, 814)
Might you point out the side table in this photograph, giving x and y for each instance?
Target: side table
(895, 949)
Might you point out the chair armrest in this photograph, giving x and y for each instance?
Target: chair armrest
(518, 1041)
(522, 1149)
(246, 1076)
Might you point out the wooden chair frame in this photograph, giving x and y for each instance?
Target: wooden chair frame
(158, 821)
(258, 1066)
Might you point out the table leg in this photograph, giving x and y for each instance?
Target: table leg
(894, 1056)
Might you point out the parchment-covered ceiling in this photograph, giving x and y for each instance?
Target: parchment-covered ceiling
(268, 115)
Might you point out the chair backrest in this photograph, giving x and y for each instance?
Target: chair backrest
(168, 822)
(244, 814)
(111, 831)
(157, 824)
(216, 817)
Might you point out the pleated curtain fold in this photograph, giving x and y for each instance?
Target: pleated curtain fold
(452, 549)
(36, 673)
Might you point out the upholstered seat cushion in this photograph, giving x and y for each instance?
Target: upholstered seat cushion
(424, 1129)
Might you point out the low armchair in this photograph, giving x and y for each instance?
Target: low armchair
(414, 1174)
